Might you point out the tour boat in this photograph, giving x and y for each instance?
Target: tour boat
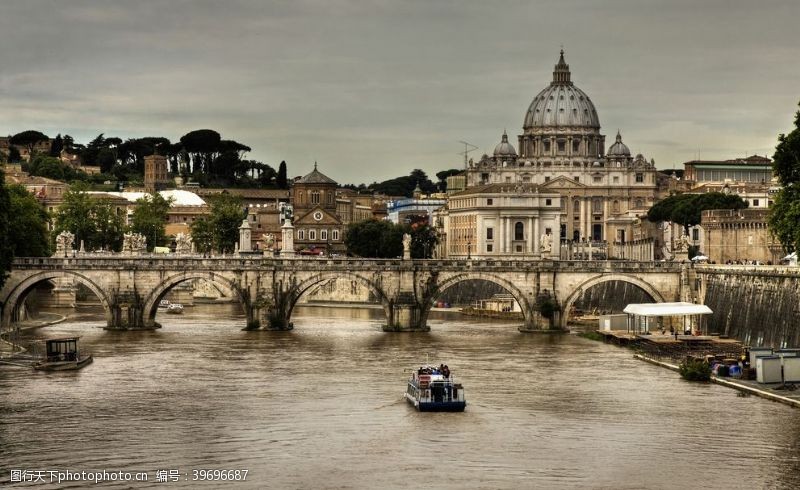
(431, 390)
(62, 354)
(175, 308)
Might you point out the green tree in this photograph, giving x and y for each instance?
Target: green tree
(13, 155)
(281, 178)
(784, 218)
(27, 231)
(225, 218)
(6, 249)
(149, 217)
(109, 226)
(56, 146)
(686, 209)
(203, 145)
(202, 234)
(374, 239)
(76, 215)
(29, 139)
(423, 240)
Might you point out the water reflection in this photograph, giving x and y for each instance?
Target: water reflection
(321, 407)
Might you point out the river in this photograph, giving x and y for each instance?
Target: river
(321, 407)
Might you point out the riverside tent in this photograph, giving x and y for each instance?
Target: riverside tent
(640, 315)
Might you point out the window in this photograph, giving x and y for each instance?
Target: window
(546, 146)
(519, 231)
(639, 204)
(615, 206)
(616, 179)
(695, 234)
(323, 235)
(300, 197)
(490, 233)
(489, 247)
(561, 146)
(755, 203)
(301, 234)
(489, 202)
(330, 197)
(576, 206)
(312, 234)
(576, 145)
(548, 202)
(639, 177)
(335, 235)
(547, 179)
(315, 197)
(597, 179)
(597, 205)
(508, 179)
(576, 179)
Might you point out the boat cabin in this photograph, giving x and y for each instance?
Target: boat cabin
(63, 349)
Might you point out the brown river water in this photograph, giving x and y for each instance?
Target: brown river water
(321, 407)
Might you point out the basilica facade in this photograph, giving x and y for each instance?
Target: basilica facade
(600, 194)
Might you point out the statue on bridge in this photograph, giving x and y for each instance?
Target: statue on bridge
(133, 243)
(287, 212)
(406, 246)
(183, 244)
(546, 242)
(64, 242)
(269, 241)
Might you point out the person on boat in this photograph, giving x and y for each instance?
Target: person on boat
(446, 371)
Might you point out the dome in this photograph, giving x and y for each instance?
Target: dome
(504, 148)
(561, 103)
(315, 177)
(618, 149)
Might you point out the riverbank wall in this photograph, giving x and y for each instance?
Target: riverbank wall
(759, 305)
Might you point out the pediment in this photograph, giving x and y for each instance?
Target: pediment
(562, 182)
(310, 218)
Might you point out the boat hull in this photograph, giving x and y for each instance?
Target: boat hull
(63, 365)
(449, 406)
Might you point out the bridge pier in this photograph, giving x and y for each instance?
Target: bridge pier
(127, 313)
(405, 315)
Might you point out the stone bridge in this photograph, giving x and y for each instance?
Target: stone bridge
(130, 288)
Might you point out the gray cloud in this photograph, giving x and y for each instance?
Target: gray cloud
(373, 89)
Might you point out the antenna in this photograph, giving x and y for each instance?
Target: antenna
(468, 147)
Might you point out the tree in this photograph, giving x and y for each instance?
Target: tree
(202, 234)
(404, 186)
(281, 179)
(56, 146)
(106, 159)
(149, 217)
(27, 231)
(29, 139)
(686, 209)
(90, 153)
(75, 215)
(109, 226)
(225, 218)
(375, 239)
(6, 249)
(423, 240)
(202, 146)
(784, 217)
(13, 155)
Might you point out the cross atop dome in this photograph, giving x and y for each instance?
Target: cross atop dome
(561, 75)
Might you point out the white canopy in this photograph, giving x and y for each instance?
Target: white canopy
(667, 309)
(699, 257)
(791, 256)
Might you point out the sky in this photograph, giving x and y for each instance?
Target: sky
(374, 89)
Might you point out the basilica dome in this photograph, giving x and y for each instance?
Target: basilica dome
(561, 103)
(618, 149)
(504, 148)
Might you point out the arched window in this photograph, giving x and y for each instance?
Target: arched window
(519, 231)
(576, 206)
(616, 206)
(639, 204)
(300, 197)
(330, 197)
(314, 197)
(301, 234)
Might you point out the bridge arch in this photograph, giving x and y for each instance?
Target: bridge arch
(451, 280)
(18, 293)
(306, 284)
(155, 296)
(651, 291)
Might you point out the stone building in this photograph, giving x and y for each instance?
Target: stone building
(318, 228)
(739, 235)
(562, 153)
(500, 220)
(156, 177)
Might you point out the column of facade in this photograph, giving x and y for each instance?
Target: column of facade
(531, 236)
(555, 249)
(536, 235)
(587, 218)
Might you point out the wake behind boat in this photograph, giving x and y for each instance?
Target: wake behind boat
(433, 389)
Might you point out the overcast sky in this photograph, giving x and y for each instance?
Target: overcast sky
(374, 89)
